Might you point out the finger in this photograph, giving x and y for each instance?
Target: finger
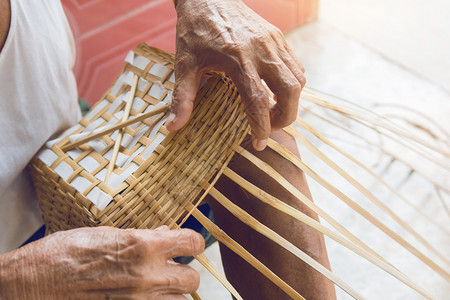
(172, 243)
(179, 279)
(287, 88)
(291, 60)
(183, 242)
(187, 81)
(257, 106)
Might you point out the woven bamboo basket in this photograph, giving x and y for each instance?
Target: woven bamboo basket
(119, 166)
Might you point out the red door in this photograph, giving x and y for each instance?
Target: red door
(105, 30)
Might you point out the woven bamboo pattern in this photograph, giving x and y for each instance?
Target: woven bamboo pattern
(119, 166)
(162, 173)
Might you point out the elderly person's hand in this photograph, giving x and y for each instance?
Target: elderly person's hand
(102, 263)
(218, 35)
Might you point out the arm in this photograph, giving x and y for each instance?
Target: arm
(5, 19)
(227, 36)
(101, 263)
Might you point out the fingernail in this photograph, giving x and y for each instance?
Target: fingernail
(162, 228)
(259, 145)
(171, 118)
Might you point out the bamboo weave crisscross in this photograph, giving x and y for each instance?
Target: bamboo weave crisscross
(158, 191)
(119, 166)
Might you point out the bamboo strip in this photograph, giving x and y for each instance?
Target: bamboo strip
(385, 117)
(300, 164)
(322, 137)
(266, 231)
(201, 258)
(391, 136)
(289, 210)
(356, 207)
(125, 116)
(294, 191)
(113, 128)
(359, 163)
(366, 117)
(195, 296)
(417, 148)
(222, 237)
(445, 140)
(430, 179)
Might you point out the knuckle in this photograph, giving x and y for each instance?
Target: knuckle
(292, 88)
(302, 79)
(193, 280)
(258, 101)
(172, 281)
(275, 32)
(136, 247)
(302, 68)
(195, 241)
(261, 39)
(284, 116)
(257, 110)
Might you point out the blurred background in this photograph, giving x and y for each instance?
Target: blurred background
(390, 56)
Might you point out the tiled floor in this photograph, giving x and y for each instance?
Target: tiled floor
(378, 52)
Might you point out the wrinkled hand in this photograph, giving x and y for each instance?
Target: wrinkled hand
(102, 263)
(227, 36)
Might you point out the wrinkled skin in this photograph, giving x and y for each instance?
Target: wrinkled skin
(102, 263)
(108, 263)
(227, 36)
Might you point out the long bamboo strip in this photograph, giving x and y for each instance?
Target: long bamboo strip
(300, 164)
(385, 117)
(363, 166)
(356, 207)
(445, 140)
(115, 127)
(222, 237)
(289, 210)
(321, 137)
(125, 116)
(195, 296)
(201, 258)
(294, 191)
(266, 231)
(398, 158)
(369, 117)
(417, 148)
(388, 119)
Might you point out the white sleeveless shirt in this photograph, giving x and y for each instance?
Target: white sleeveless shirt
(38, 98)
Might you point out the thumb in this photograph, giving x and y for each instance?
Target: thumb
(185, 91)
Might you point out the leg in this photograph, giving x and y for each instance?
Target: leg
(248, 281)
